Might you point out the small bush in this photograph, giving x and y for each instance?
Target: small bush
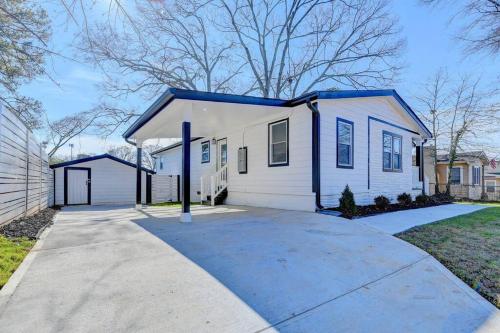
(422, 199)
(442, 198)
(347, 204)
(382, 202)
(404, 199)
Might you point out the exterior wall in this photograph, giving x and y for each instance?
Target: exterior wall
(172, 165)
(285, 187)
(466, 188)
(112, 182)
(357, 110)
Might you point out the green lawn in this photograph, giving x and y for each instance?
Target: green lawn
(12, 253)
(173, 204)
(468, 245)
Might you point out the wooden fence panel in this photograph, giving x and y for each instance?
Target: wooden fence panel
(25, 177)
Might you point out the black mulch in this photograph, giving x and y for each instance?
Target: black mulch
(29, 226)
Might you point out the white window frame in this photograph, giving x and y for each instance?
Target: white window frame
(490, 183)
(474, 170)
(272, 163)
(461, 175)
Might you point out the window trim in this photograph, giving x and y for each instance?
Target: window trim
(490, 182)
(474, 168)
(269, 125)
(202, 143)
(400, 137)
(348, 122)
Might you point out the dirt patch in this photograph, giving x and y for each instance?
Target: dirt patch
(29, 226)
(468, 245)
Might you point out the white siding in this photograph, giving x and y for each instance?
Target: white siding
(287, 187)
(357, 110)
(112, 182)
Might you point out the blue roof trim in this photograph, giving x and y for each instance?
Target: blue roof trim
(172, 146)
(173, 93)
(98, 157)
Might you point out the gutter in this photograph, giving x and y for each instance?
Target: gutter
(316, 153)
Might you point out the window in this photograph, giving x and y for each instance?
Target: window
(476, 175)
(278, 143)
(490, 186)
(455, 176)
(392, 152)
(161, 163)
(345, 140)
(205, 152)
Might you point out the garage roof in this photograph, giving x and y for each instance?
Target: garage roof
(98, 157)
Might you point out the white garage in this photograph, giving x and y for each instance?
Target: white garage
(99, 180)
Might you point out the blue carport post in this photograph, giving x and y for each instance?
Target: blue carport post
(138, 186)
(186, 172)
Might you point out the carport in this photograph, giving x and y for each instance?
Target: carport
(185, 114)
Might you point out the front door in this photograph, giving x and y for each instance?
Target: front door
(77, 186)
(221, 153)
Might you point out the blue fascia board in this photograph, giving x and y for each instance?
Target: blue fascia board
(174, 93)
(98, 157)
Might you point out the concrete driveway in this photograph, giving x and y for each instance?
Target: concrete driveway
(234, 269)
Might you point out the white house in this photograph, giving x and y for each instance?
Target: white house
(292, 154)
(98, 180)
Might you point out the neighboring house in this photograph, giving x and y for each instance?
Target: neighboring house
(292, 154)
(492, 180)
(97, 180)
(466, 176)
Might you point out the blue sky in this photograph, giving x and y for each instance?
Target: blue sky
(430, 45)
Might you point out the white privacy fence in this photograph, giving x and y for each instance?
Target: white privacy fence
(165, 188)
(26, 181)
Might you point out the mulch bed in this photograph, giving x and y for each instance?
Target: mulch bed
(29, 226)
(370, 210)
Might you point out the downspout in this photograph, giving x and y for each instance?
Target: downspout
(131, 142)
(422, 164)
(316, 171)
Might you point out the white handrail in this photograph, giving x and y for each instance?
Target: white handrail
(218, 182)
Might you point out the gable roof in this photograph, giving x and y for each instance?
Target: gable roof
(173, 93)
(477, 154)
(172, 146)
(98, 157)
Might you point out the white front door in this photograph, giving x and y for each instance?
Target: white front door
(221, 153)
(78, 188)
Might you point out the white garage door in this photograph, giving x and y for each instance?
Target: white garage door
(78, 187)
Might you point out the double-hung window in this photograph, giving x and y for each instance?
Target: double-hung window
(205, 152)
(476, 175)
(392, 152)
(345, 143)
(278, 143)
(455, 176)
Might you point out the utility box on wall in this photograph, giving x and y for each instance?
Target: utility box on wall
(242, 160)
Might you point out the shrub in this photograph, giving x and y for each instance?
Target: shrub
(347, 204)
(422, 199)
(404, 199)
(442, 198)
(382, 202)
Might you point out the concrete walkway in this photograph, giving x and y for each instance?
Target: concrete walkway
(234, 269)
(395, 222)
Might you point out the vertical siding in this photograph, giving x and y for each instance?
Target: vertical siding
(112, 182)
(357, 110)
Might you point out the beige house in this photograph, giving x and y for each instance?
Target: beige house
(467, 174)
(492, 180)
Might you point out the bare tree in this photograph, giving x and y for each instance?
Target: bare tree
(102, 120)
(467, 116)
(272, 48)
(480, 30)
(293, 47)
(24, 34)
(127, 153)
(434, 98)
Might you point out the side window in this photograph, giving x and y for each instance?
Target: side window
(205, 152)
(476, 175)
(345, 143)
(160, 162)
(455, 176)
(278, 143)
(392, 152)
